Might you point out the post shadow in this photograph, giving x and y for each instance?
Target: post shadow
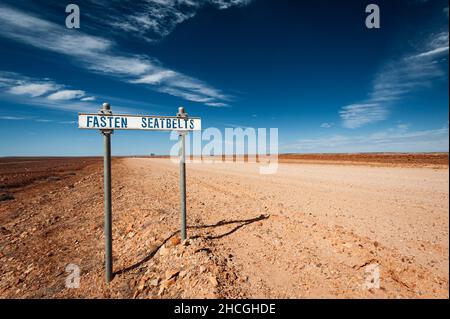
(241, 222)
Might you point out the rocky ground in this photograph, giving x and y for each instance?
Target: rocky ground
(307, 231)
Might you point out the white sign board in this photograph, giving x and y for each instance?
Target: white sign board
(138, 122)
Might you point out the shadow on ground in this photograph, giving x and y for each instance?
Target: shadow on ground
(240, 223)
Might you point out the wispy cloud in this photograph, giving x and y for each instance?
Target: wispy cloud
(43, 120)
(43, 92)
(396, 139)
(177, 84)
(67, 122)
(66, 95)
(155, 19)
(89, 98)
(359, 114)
(155, 78)
(396, 80)
(326, 125)
(58, 96)
(12, 118)
(216, 104)
(101, 55)
(33, 89)
(31, 118)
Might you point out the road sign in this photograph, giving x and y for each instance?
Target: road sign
(106, 123)
(138, 122)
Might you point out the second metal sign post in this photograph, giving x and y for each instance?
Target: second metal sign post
(182, 137)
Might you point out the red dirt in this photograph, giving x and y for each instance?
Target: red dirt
(386, 159)
(19, 172)
(251, 235)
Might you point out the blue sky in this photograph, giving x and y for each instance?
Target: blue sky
(310, 68)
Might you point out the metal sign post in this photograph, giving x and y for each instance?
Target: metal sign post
(106, 122)
(106, 110)
(182, 136)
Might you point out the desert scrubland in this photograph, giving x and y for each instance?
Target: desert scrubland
(309, 231)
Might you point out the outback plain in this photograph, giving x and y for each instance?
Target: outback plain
(308, 231)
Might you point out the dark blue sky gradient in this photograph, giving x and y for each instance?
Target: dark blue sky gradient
(293, 65)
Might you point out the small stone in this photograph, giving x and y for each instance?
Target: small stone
(154, 282)
(174, 241)
(141, 285)
(163, 250)
(202, 269)
(213, 281)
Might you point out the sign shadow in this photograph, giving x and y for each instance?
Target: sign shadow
(241, 223)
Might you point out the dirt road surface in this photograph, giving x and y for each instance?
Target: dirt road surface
(308, 231)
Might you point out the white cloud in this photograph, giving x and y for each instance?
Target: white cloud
(188, 88)
(395, 81)
(326, 125)
(60, 100)
(66, 95)
(42, 92)
(402, 127)
(11, 118)
(187, 95)
(43, 34)
(88, 98)
(33, 89)
(437, 45)
(156, 77)
(357, 115)
(128, 66)
(67, 122)
(397, 139)
(155, 19)
(433, 52)
(215, 104)
(100, 55)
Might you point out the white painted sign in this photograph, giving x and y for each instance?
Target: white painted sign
(138, 122)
